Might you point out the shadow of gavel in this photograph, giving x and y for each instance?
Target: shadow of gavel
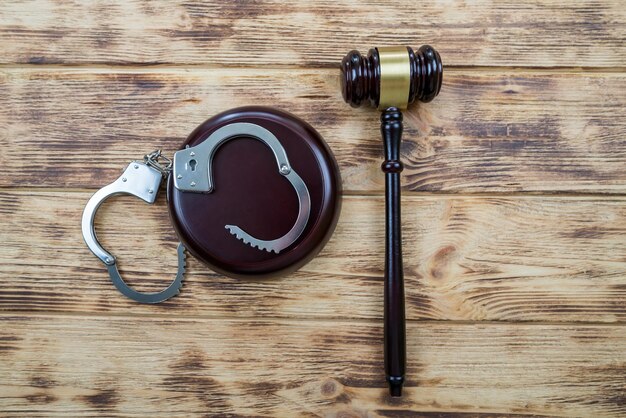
(391, 79)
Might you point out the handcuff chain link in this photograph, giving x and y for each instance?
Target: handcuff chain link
(153, 160)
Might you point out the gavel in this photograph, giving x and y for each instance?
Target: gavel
(390, 79)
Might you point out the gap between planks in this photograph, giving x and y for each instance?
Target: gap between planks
(368, 194)
(9, 315)
(182, 67)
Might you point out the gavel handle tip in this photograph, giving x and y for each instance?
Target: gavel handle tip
(395, 385)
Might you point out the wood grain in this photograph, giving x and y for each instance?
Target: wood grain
(508, 259)
(176, 366)
(312, 34)
(514, 212)
(487, 132)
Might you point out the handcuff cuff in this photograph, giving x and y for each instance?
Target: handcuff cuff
(192, 171)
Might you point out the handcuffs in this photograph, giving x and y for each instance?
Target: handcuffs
(191, 169)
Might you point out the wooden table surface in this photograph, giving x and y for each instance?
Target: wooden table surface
(514, 212)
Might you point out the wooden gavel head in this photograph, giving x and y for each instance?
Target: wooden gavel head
(391, 76)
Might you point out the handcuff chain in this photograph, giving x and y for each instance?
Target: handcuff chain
(152, 159)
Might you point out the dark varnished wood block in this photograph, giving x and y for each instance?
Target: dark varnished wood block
(250, 192)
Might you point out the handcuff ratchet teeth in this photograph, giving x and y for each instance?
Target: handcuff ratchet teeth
(141, 179)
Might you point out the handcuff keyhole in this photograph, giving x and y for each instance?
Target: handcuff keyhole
(192, 165)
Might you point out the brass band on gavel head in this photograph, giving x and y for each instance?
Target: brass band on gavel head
(391, 76)
(395, 77)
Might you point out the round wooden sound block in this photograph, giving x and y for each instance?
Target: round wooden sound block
(250, 192)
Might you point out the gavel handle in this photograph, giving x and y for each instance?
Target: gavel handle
(395, 332)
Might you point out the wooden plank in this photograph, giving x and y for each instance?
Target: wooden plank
(169, 365)
(311, 34)
(486, 132)
(509, 259)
